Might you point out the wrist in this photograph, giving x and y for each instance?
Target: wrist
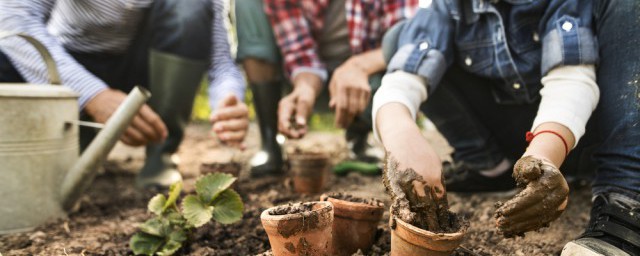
(369, 62)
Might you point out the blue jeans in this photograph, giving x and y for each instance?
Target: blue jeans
(483, 132)
(177, 27)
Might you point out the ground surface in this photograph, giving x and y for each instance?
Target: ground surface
(112, 208)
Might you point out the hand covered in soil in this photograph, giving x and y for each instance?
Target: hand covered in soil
(415, 200)
(350, 93)
(146, 126)
(295, 108)
(542, 200)
(230, 121)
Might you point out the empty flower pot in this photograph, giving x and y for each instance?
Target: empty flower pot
(355, 223)
(407, 240)
(299, 229)
(309, 172)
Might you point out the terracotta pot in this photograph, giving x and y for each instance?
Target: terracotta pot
(354, 225)
(407, 240)
(307, 233)
(309, 172)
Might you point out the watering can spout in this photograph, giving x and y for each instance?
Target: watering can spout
(83, 171)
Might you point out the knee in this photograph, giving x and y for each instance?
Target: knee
(260, 71)
(182, 27)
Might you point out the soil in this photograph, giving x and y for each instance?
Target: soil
(291, 208)
(112, 208)
(232, 168)
(354, 199)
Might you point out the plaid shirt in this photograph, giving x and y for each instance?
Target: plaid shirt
(297, 22)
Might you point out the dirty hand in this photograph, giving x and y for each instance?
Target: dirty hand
(230, 121)
(350, 93)
(543, 199)
(413, 174)
(146, 126)
(295, 108)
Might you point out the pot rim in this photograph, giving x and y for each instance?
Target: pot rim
(308, 156)
(400, 224)
(365, 206)
(326, 207)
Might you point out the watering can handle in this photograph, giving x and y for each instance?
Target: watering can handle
(52, 70)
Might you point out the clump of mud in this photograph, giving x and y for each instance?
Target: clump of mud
(291, 208)
(416, 202)
(354, 199)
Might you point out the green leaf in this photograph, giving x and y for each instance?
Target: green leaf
(154, 227)
(175, 218)
(169, 248)
(156, 204)
(174, 243)
(211, 185)
(195, 212)
(228, 207)
(174, 192)
(146, 244)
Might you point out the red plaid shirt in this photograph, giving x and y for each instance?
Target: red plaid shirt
(297, 22)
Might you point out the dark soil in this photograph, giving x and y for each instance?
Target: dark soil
(112, 208)
(291, 208)
(354, 199)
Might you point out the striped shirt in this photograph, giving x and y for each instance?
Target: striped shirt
(105, 26)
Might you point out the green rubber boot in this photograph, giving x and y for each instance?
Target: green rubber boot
(174, 82)
(268, 161)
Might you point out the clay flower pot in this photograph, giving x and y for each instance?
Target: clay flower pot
(309, 171)
(407, 240)
(354, 224)
(305, 232)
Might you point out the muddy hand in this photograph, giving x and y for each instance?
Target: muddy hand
(542, 200)
(414, 200)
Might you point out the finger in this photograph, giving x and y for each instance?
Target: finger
(226, 113)
(134, 137)
(231, 125)
(303, 109)
(232, 136)
(139, 124)
(341, 107)
(523, 200)
(364, 99)
(154, 120)
(227, 101)
(285, 111)
(354, 106)
(543, 211)
(519, 228)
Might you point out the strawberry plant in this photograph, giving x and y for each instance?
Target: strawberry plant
(166, 232)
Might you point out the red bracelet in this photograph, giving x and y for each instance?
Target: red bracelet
(529, 137)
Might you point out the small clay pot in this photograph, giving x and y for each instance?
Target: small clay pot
(407, 240)
(307, 233)
(354, 226)
(309, 171)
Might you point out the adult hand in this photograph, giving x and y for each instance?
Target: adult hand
(230, 121)
(350, 92)
(295, 108)
(145, 128)
(543, 199)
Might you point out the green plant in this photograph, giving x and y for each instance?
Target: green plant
(165, 233)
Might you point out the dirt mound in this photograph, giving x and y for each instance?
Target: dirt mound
(354, 199)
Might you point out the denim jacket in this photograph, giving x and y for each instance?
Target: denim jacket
(514, 42)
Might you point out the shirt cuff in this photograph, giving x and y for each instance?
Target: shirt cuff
(568, 44)
(569, 96)
(219, 91)
(320, 72)
(420, 59)
(400, 87)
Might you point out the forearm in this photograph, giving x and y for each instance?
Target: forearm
(569, 96)
(309, 82)
(390, 118)
(28, 17)
(370, 62)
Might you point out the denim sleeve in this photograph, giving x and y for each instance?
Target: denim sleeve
(568, 35)
(425, 44)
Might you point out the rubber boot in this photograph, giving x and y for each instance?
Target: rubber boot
(174, 82)
(268, 161)
(357, 135)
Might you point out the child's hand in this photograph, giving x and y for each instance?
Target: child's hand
(543, 199)
(230, 121)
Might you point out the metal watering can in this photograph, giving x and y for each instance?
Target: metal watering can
(41, 172)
